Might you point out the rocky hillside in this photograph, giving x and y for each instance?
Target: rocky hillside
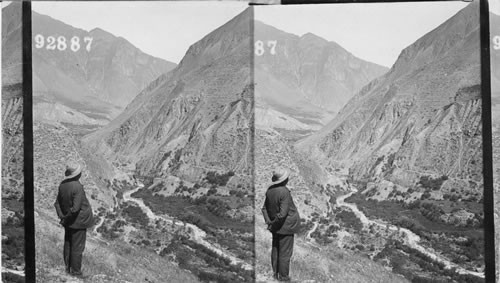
(194, 119)
(12, 147)
(302, 82)
(85, 82)
(420, 120)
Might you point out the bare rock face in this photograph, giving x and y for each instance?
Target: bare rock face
(422, 118)
(197, 117)
(306, 78)
(96, 79)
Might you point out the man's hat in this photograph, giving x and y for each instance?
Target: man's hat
(73, 168)
(280, 175)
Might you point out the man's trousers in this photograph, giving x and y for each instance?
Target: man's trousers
(74, 244)
(281, 253)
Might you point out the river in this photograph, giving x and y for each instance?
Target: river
(196, 234)
(411, 239)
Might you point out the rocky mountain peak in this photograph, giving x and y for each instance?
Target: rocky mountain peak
(311, 37)
(100, 33)
(443, 40)
(232, 36)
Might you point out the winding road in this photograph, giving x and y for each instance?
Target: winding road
(411, 239)
(196, 234)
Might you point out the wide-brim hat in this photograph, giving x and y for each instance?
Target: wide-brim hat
(279, 176)
(73, 169)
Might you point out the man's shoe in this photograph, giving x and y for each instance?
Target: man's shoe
(284, 279)
(76, 274)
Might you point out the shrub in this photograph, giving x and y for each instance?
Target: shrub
(215, 178)
(431, 183)
(136, 215)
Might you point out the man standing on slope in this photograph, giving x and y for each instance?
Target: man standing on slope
(76, 216)
(282, 219)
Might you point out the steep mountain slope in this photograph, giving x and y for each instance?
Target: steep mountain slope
(199, 114)
(86, 82)
(11, 42)
(411, 141)
(422, 118)
(307, 78)
(12, 145)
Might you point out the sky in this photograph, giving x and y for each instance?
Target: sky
(164, 29)
(375, 32)
(494, 6)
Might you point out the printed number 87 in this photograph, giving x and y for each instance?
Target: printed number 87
(260, 50)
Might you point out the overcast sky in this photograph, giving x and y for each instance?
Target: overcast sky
(164, 29)
(374, 32)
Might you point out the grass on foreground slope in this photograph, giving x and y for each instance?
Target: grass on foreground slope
(102, 262)
(312, 264)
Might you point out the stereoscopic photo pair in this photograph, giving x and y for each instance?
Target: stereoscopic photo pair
(227, 142)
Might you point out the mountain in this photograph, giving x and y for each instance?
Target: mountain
(422, 117)
(189, 137)
(199, 114)
(11, 42)
(304, 79)
(411, 141)
(83, 82)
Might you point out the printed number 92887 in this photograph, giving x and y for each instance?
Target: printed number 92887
(61, 43)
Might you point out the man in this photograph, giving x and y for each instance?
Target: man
(282, 219)
(76, 216)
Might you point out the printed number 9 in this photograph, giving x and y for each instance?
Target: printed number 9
(61, 43)
(75, 43)
(39, 40)
(496, 42)
(259, 48)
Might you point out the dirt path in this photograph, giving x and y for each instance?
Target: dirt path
(196, 234)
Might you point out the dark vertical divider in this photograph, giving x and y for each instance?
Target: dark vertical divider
(489, 229)
(252, 125)
(29, 217)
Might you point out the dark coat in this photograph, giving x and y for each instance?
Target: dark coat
(72, 205)
(280, 212)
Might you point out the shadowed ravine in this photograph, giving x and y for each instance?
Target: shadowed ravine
(196, 234)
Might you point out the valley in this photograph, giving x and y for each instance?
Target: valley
(129, 216)
(385, 163)
(345, 223)
(169, 178)
(395, 176)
